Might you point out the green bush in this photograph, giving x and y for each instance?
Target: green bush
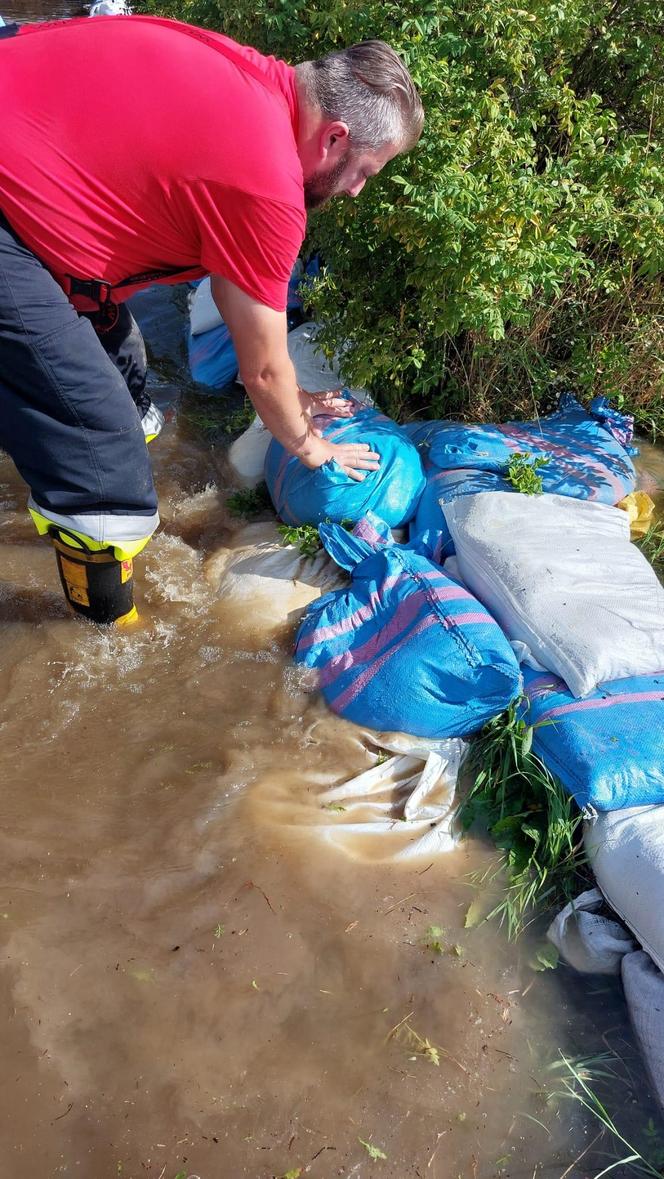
(520, 247)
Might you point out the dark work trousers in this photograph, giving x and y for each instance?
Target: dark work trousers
(67, 417)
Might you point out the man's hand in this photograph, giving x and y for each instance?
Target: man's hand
(259, 335)
(326, 403)
(354, 458)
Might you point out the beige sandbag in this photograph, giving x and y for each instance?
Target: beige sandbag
(263, 585)
(400, 809)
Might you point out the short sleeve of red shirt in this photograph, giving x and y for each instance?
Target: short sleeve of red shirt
(254, 243)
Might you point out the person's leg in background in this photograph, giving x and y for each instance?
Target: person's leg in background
(70, 425)
(122, 341)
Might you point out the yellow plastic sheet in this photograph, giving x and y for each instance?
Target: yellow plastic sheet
(640, 509)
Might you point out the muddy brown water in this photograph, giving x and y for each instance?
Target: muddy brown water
(193, 982)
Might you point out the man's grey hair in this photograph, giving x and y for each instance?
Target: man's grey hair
(369, 88)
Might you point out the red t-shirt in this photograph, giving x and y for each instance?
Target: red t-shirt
(132, 144)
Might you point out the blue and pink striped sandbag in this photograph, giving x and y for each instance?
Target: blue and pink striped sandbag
(588, 452)
(588, 449)
(608, 748)
(404, 648)
(304, 496)
(443, 487)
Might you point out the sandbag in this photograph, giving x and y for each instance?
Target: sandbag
(246, 455)
(389, 807)
(203, 311)
(404, 648)
(607, 749)
(420, 434)
(592, 941)
(644, 991)
(587, 938)
(625, 850)
(561, 576)
(304, 496)
(212, 357)
(407, 800)
(443, 487)
(588, 449)
(263, 584)
(640, 510)
(110, 8)
(313, 370)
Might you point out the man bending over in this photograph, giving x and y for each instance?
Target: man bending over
(204, 162)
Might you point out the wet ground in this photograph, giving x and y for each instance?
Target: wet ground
(194, 983)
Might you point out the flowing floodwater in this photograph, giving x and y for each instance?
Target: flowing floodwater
(194, 982)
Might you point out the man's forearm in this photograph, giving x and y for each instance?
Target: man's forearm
(275, 397)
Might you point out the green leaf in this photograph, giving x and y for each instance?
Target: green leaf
(545, 958)
(474, 913)
(305, 537)
(374, 1152)
(434, 938)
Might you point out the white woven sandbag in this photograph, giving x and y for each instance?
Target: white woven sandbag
(413, 792)
(312, 369)
(588, 939)
(644, 992)
(626, 853)
(264, 585)
(561, 576)
(110, 8)
(246, 456)
(400, 810)
(203, 311)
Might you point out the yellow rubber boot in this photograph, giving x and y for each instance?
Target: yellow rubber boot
(96, 584)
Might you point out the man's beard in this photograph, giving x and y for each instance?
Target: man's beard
(321, 186)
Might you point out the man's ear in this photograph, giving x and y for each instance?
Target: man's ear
(333, 141)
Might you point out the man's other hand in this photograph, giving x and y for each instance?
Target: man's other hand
(326, 402)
